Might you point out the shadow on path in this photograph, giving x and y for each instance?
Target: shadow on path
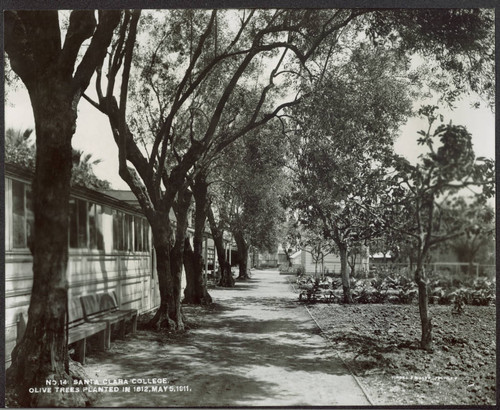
(258, 347)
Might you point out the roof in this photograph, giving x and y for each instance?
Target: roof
(130, 198)
(122, 195)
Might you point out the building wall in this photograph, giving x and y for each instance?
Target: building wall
(331, 264)
(130, 273)
(110, 249)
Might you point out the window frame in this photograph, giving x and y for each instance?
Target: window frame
(27, 215)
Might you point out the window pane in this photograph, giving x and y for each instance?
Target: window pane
(130, 233)
(125, 232)
(92, 226)
(100, 237)
(30, 216)
(137, 234)
(18, 215)
(120, 231)
(145, 227)
(115, 230)
(73, 224)
(82, 224)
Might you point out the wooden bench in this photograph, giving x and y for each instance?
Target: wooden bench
(79, 330)
(103, 308)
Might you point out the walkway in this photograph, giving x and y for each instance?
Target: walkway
(258, 348)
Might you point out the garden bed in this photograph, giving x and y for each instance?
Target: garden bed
(379, 342)
(399, 289)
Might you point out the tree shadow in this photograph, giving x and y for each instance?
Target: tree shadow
(234, 354)
(247, 349)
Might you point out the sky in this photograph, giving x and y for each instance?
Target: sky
(93, 133)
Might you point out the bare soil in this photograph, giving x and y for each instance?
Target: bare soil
(380, 344)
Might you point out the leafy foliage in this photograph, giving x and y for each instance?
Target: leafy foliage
(455, 43)
(248, 183)
(345, 129)
(20, 150)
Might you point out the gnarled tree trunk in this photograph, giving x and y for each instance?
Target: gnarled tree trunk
(226, 279)
(169, 262)
(46, 67)
(196, 289)
(242, 254)
(42, 353)
(195, 292)
(162, 239)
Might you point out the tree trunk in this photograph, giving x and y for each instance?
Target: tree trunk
(162, 233)
(169, 261)
(46, 67)
(351, 261)
(288, 257)
(242, 255)
(42, 353)
(346, 285)
(176, 264)
(425, 319)
(255, 258)
(196, 289)
(226, 279)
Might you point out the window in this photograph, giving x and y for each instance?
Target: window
(145, 229)
(92, 226)
(118, 231)
(130, 233)
(73, 224)
(78, 223)
(98, 217)
(95, 226)
(82, 224)
(122, 231)
(22, 214)
(138, 233)
(129, 236)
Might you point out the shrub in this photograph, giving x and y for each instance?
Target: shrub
(300, 271)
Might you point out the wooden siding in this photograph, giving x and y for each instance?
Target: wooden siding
(129, 275)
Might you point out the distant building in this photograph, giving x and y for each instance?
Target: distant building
(329, 264)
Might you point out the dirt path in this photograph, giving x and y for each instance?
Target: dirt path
(257, 348)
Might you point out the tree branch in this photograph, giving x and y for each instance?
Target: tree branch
(82, 24)
(94, 56)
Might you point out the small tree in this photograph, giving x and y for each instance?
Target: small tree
(318, 247)
(424, 208)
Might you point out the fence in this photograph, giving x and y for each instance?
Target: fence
(456, 270)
